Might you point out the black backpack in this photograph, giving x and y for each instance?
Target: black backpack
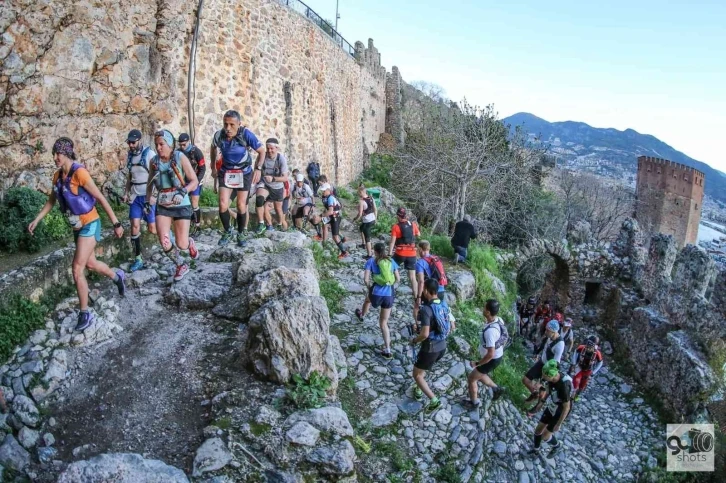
(407, 237)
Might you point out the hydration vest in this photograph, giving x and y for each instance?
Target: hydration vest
(549, 348)
(443, 322)
(336, 206)
(587, 360)
(244, 160)
(406, 239)
(300, 191)
(173, 176)
(75, 204)
(370, 206)
(139, 170)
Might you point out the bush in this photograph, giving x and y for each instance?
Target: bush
(308, 394)
(17, 210)
(344, 194)
(208, 198)
(383, 225)
(379, 172)
(333, 294)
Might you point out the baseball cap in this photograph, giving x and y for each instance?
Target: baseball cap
(567, 322)
(183, 137)
(553, 325)
(401, 212)
(323, 187)
(299, 177)
(134, 135)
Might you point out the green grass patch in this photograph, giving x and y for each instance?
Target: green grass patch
(333, 294)
(258, 429)
(379, 172)
(208, 198)
(18, 208)
(345, 194)
(447, 473)
(383, 224)
(223, 423)
(400, 460)
(324, 258)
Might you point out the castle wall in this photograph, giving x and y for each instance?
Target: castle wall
(94, 70)
(670, 198)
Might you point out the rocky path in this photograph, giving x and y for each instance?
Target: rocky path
(610, 435)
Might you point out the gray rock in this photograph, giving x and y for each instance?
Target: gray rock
(303, 433)
(25, 410)
(38, 337)
(57, 367)
(32, 367)
(121, 468)
(462, 345)
(442, 383)
(12, 455)
(47, 454)
(341, 362)
(522, 477)
(409, 406)
(267, 415)
(625, 388)
(385, 415)
(293, 239)
(28, 437)
(328, 419)
(607, 348)
(336, 459)
(142, 277)
(212, 455)
(203, 287)
(500, 448)
(48, 439)
(463, 284)
(275, 476)
(367, 340)
(457, 370)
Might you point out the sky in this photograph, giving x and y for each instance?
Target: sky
(656, 67)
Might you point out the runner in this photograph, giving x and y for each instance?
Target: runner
(403, 246)
(302, 194)
(296, 172)
(367, 214)
(553, 349)
(432, 333)
(271, 187)
(174, 177)
(196, 157)
(543, 315)
(428, 266)
(494, 338)
(137, 164)
(380, 276)
(332, 208)
(77, 195)
(313, 170)
(558, 388)
(586, 361)
(463, 233)
(236, 174)
(526, 315)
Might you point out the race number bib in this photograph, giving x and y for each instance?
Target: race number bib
(234, 178)
(166, 198)
(326, 220)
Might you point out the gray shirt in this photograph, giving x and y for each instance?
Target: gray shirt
(275, 167)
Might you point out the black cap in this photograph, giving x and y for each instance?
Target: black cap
(183, 137)
(134, 135)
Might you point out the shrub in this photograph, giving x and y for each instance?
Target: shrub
(333, 294)
(308, 394)
(18, 209)
(208, 198)
(383, 224)
(344, 194)
(56, 225)
(379, 172)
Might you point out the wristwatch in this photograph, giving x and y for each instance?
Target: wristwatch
(117, 225)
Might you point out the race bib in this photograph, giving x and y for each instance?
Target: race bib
(234, 178)
(166, 198)
(326, 220)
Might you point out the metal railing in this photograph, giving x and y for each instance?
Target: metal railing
(308, 12)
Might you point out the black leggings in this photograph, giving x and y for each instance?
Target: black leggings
(366, 228)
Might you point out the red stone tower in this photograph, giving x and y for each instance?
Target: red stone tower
(669, 198)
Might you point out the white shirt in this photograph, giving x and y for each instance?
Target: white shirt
(490, 335)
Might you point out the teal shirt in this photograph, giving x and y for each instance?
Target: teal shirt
(165, 177)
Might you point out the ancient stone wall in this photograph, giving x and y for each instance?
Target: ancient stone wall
(94, 70)
(670, 198)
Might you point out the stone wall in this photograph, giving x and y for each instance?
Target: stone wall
(95, 70)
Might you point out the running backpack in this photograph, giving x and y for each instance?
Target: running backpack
(370, 206)
(246, 160)
(386, 277)
(142, 160)
(437, 269)
(313, 170)
(587, 359)
(443, 323)
(407, 237)
(79, 204)
(504, 339)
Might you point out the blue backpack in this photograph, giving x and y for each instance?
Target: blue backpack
(443, 323)
(313, 170)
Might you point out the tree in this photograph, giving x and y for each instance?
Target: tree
(433, 91)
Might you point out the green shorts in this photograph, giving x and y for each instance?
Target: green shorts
(91, 229)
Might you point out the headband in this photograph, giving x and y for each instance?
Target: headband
(64, 146)
(168, 138)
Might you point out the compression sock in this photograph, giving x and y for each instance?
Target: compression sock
(317, 229)
(341, 247)
(553, 440)
(197, 216)
(241, 222)
(244, 220)
(224, 216)
(537, 440)
(136, 240)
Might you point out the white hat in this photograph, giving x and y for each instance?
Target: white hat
(299, 177)
(323, 187)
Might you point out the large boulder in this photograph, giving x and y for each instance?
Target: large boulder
(289, 238)
(25, 410)
(330, 419)
(121, 468)
(337, 459)
(280, 283)
(259, 262)
(12, 455)
(203, 287)
(290, 336)
(211, 456)
(462, 283)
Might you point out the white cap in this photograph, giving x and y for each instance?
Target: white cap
(299, 177)
(323, 187)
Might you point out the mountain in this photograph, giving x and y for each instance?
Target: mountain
(609, 151)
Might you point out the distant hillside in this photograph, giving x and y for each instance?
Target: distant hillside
(609, 151)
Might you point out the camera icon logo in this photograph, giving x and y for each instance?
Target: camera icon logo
(690, 447)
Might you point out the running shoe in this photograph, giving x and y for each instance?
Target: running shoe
(241, 240)
(137, 265)
(386, 355)
(342, 255)
(226, 238)
(318, 238)
(194, 230)
(84, 321)
(270, 228)
(359, 314)
(497, 393)
(193, 252)
(553, 452)
(121, 282)
(361, 245)
(417, 393)
(260, 229)
(533, 451)
(467, 404)
(181, 270)
(433, 405)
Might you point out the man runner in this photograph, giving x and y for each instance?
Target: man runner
(587, 361)
(558, 388)
(567, 334)
(137, 163)
(491, 352)
(271, 187)
(236, 174)
(463, 233)
(526, 315)
(332, 211)
(403, 246)
(302, 194)
(435, 328)
(196, 157)
(553, 349)
(428, 266)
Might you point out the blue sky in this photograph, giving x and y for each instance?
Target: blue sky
(656, 67)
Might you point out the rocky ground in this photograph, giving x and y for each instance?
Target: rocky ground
(160, 375)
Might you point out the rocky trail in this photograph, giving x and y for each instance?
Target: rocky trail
(160, 374)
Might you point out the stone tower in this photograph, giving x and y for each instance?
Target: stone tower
(669, 198)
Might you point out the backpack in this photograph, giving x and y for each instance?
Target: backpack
(370, 206)
(437, 269)
(443, 323)
(313, 170)
(586, 363)
(407, 237)
(246, 160)
(79, 204)
(504, 339)
(386, 277)
(142, 160)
